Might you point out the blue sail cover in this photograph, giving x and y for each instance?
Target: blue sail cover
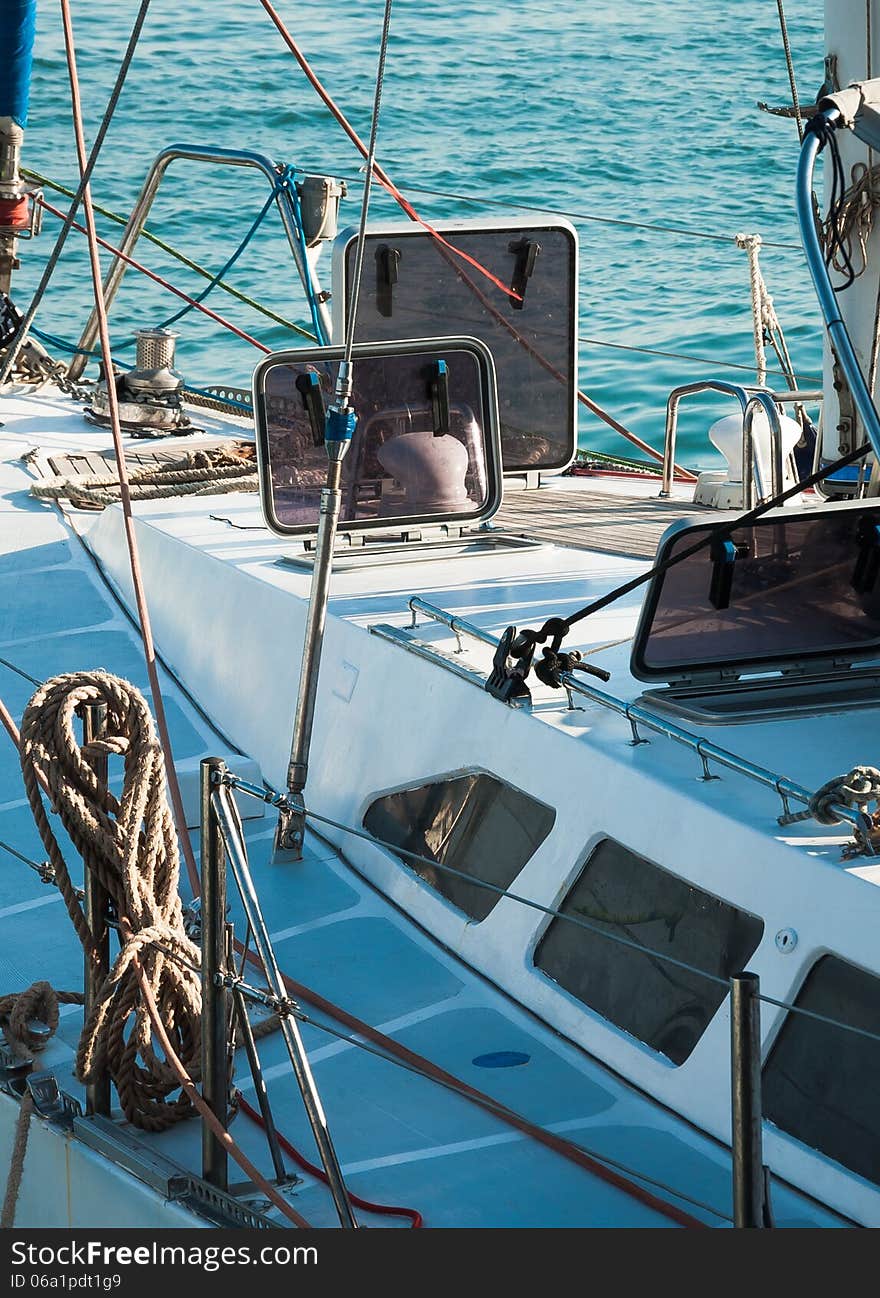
(18, 20)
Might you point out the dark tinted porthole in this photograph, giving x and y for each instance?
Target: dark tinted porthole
(663, 1005)
(820, 1081)
(473, 823)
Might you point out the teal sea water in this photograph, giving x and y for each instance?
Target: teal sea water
(636, 113)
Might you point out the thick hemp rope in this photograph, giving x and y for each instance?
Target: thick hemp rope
(210, 472)
(130, 845)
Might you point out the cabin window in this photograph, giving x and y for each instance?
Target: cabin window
(820, 1081)
(662, 1004)
(473, 823)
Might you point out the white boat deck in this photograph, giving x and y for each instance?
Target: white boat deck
(401, 1138)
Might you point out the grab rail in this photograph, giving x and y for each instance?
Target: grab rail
(141, 210)
(750, 399)
(638, 715)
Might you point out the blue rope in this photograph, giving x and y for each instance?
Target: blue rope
(285, 183)
(60, 343)
(212, 284)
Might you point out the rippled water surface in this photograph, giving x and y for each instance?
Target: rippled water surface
(636, 112)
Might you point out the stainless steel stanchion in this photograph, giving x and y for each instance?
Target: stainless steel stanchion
(745, 1087)
(215, 1010)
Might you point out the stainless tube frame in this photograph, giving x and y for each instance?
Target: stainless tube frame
(140, 211)
(749, 398)
(229, 824)
(637, 715)
(96, 902)
(838, 333)
(746, 1120)
(319, 593)
(290, 832)
(215, 998)
(250, 1046)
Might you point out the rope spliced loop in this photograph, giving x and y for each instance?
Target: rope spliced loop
(130, 846)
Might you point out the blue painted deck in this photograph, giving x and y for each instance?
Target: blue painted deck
(401, 1138)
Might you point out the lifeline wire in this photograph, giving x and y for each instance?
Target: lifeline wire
(178, 256)
(582, 923)
(368, 180)
(498, 1108)
(273, 798)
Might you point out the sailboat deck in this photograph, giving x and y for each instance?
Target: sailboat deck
(400, 1138)
(610, 519)
(599, 514)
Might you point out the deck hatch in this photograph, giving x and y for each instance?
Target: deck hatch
(415, 460)
(412, 280)
(795, 592)
(820, 1081)
(474, 823)
(662, 1004)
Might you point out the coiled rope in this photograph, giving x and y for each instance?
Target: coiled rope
(130, 846)
(210, 472)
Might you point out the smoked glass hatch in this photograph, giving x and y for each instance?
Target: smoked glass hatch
(412, 282)
(473, 823)
(820, 1081)
(790, 590)
(425, 446)
(655, 914)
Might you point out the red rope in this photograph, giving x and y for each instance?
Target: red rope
(559, 1144)
(380, 1209)
(151, 274)
(379, 172)
(385, 180)
(121, 467)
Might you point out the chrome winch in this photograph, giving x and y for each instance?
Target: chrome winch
(150, 396)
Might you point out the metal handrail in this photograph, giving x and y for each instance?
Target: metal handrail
(224, 813)
(141, 210)
(638, 715)
(750, 399)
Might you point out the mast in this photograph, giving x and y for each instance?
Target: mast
(852, 40)
(17, 25)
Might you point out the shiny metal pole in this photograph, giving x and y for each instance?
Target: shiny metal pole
(241, 1020)
(96, 904)
(215, 1009)
(230, 828)
(745, 1086)
(291, 820)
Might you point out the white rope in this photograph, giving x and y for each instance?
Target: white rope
(763, 315)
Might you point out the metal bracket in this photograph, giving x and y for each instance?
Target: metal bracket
(215, 1205)
(129, 1150)
(12, 1065)
(49, 1100)
(192, 920)
(290, 832)
(507, 679)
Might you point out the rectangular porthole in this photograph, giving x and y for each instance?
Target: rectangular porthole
(473, 823)
(820, 1081)
(622, 894)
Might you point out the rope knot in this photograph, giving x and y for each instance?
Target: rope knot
(859, 787)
